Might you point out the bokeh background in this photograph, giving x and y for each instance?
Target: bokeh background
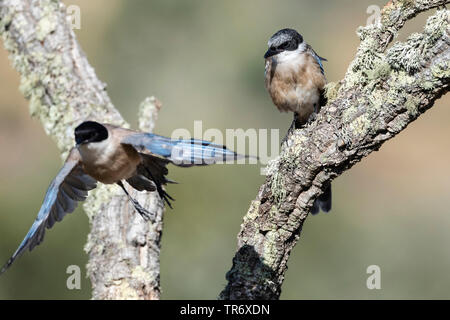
(203, 60)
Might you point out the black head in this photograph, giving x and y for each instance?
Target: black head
(283, 40)
(90, 131)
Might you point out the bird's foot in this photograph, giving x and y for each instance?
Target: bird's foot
(296, 124)
(145, 214)
(285, 141)
(311, 118)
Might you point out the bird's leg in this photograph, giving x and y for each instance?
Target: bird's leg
(147, 215)
(294, 125)
(313, 116)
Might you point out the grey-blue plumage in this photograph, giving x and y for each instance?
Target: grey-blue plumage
(295, 79)
(182, 152)
(111, 154)
(323, 202)
(70, 186)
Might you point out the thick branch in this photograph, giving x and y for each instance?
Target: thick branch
(382, 92)
(394, 16)
(123, 249)
(64, 90)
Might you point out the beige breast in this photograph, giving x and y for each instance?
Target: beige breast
(295, 84)
(109, 161)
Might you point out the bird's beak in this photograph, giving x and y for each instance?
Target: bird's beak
(80, 142)
(271, 52)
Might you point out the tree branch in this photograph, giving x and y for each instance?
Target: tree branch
(64, 90)
(383, 91)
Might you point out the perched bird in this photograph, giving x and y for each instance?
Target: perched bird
(295, 80)
(111, 154)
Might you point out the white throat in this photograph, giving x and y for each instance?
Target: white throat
(97, 152)
(291, 56)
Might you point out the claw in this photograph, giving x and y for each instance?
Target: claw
(294, 125)
(146, 215)
(312, 118)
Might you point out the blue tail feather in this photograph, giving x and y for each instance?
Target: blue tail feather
(183, 152)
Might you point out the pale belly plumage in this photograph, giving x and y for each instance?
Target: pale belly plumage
(109, 162)
(295, 84)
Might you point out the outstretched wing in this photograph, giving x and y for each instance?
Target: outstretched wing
(181, 152)
(70, 186)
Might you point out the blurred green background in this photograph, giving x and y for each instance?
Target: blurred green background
(203, 60)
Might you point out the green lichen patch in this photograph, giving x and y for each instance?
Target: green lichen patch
(253, 211)
(377, 99)
(380, 72)
(437, 25)
(411, 106)
(407, 56)
(5, 22)
(45, 26)
(273, 211)
(367, 59)
(360, 126)
(442, 70)
(411, 55)
(124, 291)
(349, 114)
(98, 197)
(277, 187)
(394, 11)
(331, 90)
(48, 20)
(270, 252)
(368, 56)
(139, 274)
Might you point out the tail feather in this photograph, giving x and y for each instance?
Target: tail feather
(197, 152)
(154, 168)
(183, 152)
(324, 202)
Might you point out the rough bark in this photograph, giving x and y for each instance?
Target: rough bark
(383, 91)
(64, 90)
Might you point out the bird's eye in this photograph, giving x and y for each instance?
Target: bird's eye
(283, 46)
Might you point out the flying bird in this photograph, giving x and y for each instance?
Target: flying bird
(295, 79)
(111, 155)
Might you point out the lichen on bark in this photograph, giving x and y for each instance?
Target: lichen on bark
(382, 92)
(63, 91)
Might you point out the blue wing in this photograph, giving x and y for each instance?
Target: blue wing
(184, 153)
(70, 186)
(319, 60)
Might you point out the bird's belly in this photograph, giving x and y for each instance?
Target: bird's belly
(295, 98)
(110, 168)
(306, 101)
(294, 85)
(110, 174)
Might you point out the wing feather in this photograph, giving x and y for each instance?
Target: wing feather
(69, 186)
(318, 59)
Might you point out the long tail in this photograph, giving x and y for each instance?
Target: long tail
(323, 202)
(183, 152)
(198, 152)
